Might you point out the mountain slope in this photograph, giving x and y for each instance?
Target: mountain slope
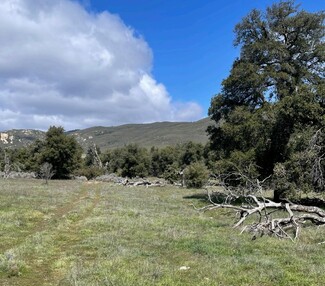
(16, 138)
(157, 134)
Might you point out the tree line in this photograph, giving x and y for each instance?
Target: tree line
(62, 152)
(64, 155)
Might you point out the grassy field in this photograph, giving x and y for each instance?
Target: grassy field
(73, 233)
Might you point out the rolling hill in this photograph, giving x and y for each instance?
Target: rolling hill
(157, 134)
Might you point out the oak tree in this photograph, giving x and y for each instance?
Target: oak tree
(275, 88)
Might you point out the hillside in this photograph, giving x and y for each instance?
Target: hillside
(154, 134)
(16, 138)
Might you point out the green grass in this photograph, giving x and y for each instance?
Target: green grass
(73, 233)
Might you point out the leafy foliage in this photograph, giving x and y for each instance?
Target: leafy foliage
(61, 151)
(132, 160)
(275, 91)
(196, 175)
(129, 161)
(90, 172)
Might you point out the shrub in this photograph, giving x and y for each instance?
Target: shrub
(196, 175)
(171, 173)
(90, 172)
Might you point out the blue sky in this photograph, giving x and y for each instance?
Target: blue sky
(84, 63)
(192, 40)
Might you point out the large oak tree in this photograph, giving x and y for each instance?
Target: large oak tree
(275, 90)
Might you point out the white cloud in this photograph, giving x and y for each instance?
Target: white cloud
(61, 65)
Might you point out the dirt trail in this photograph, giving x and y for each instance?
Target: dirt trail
(41, 274)
(45, 224)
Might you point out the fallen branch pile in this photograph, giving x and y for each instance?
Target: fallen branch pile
(269, 218)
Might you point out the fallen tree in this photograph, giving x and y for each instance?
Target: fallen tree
(260, 215)
(143, 182)
(282, 220)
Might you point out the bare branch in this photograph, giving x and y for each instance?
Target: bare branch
(46, 172)
(7, 167)
(282, 227)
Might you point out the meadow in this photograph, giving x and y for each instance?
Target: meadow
(91, 233)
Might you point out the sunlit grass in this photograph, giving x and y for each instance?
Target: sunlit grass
(72, 233)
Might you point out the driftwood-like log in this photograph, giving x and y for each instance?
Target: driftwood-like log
(143, 183)
(268, 218)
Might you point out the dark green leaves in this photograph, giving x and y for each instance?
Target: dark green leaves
(275, 90)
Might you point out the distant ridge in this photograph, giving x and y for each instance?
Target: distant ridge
(157, 134)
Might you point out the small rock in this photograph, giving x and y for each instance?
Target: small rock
(184, 268)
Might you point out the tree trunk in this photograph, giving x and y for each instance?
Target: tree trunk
(277, 195)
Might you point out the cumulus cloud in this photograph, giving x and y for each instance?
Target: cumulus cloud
(62, 65)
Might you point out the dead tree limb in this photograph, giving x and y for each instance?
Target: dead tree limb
(7, 167)
(268, 218)
(46, 172)
(145, 183)
(97, 159)
(280, 219)
(317, 155)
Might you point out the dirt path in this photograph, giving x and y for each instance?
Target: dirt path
(40, 271)
(45, 224)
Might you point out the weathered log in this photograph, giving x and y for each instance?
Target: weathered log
(144, 183)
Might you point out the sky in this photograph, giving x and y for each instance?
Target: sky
(87, 63)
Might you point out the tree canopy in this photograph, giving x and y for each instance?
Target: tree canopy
(61, 151)
(275, 89)
(282, 51)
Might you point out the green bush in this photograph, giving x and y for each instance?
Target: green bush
(196, 175)
(235, 170)
(129, 161)
(90, 172)
(171, 173)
